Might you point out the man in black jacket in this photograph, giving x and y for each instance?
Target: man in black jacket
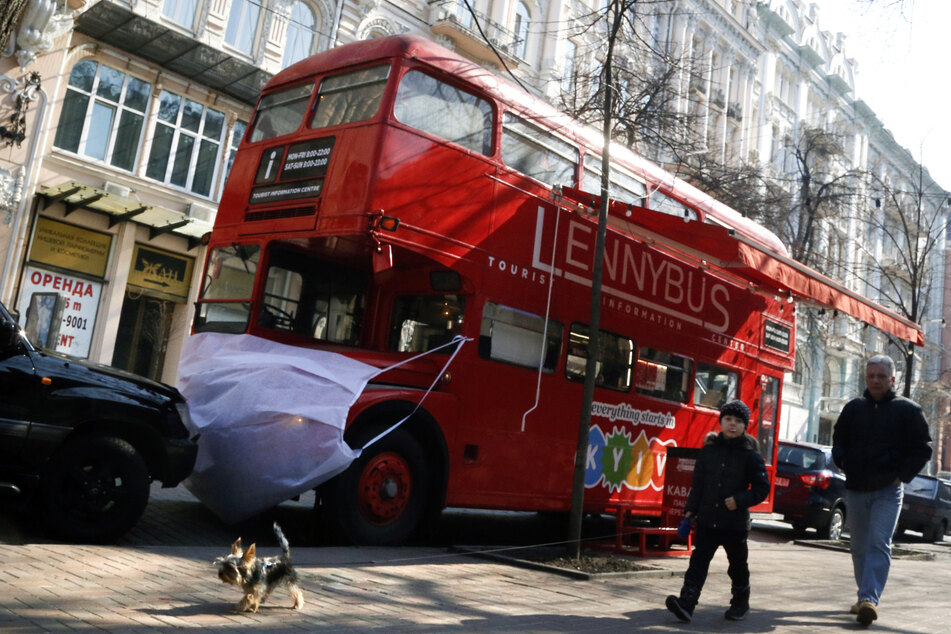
(880, 441)
(729, 478)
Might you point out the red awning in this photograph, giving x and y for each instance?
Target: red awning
(733, 251)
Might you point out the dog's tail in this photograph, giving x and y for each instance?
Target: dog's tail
(285, 547)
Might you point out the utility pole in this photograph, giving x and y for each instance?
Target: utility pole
(594, 336)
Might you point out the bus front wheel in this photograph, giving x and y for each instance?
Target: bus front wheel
(380, 498)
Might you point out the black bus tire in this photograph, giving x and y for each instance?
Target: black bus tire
(379, 500)
(95, 490)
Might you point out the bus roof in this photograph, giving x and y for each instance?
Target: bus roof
(427, 51)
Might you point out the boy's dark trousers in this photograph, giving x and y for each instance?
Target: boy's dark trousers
(706, 542)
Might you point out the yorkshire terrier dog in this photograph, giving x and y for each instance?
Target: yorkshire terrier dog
(257, 578)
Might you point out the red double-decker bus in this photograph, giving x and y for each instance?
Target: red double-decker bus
(389, 195)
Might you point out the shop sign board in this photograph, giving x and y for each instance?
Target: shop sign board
(58, 310)
(70, 247)
(161, 271)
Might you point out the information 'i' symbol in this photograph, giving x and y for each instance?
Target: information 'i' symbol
(270, 164)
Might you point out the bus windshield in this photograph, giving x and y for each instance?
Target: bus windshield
(312, 297)
(229, 279)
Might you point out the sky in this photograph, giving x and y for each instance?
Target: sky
(902, 50)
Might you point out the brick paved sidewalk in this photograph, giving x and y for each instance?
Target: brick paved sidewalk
(52, 587)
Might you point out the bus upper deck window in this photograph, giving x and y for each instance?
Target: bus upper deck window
(281, 112)
(537, 153)
(349, 97)
(715, 386)
(624, 188)
(667, 205)
(445, 111)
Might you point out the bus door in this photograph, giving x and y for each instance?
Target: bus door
(766, 432)
(768, 416)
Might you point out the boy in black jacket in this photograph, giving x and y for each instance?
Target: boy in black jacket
(729, 478)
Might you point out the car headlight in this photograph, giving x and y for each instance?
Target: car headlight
(186, 417)
(178, 421)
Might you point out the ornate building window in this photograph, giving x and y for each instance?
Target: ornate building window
(301, 33)
(186, 144)
(243, 25)
(523, 19)
(102, 114)
(570, 67)
(181, 12)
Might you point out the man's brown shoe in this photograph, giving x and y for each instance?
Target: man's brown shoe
(866, 613)
(855, 608)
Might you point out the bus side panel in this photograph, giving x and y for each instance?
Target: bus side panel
(460, 206)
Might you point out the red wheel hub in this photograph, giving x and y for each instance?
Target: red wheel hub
(385, 486)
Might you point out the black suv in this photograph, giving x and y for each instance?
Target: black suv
(810, 489)
(82, 441)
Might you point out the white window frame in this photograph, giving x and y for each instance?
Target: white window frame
(181, 12)
(197, 136)
(296, 29)
(521, 23)
(119, 107)
(245, 15)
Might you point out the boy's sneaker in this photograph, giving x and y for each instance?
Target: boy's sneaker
(866, 613)
(737, 612)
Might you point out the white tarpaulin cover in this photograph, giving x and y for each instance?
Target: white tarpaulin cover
(271, 419)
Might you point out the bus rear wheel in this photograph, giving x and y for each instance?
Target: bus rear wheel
(379, 500)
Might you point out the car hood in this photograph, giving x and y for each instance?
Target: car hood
(81, 371)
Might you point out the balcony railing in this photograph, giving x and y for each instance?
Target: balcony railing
(452, 19)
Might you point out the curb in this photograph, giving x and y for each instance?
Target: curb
(649, 570)
(898, 552)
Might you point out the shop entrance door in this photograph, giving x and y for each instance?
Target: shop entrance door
(142, 338)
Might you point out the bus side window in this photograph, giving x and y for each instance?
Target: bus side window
(424, 322)
(432, 106)
(669, 206)
(615, 363)
(514, 336)
(714, 386)
(624, 188)
(537, 153)
(662, 375)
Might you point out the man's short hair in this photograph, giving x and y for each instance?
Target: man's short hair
(883, 359)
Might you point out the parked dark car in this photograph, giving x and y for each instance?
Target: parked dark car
(810, 489)
(81, 443)
(926, 508)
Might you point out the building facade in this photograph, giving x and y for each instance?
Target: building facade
(129, 111)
